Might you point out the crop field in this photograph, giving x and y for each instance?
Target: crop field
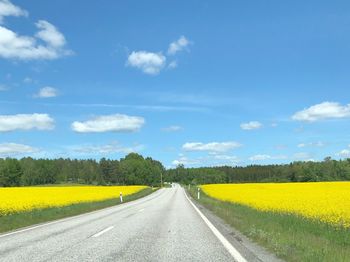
(23, 199)
(328, 202)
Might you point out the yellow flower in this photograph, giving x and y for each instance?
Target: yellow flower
(328, 202)
(19, 199)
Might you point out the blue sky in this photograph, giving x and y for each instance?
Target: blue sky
(192, 82)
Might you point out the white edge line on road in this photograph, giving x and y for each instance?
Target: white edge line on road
(34, 227)
(103, 231)
(234, 253)
(128, 204)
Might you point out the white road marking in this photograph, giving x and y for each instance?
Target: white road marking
(141, 210)
(56, 221)
(34, 227)
(103, 231)
(234, 253)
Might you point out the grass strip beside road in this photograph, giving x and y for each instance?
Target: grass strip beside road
(290, 237)
(24, 219)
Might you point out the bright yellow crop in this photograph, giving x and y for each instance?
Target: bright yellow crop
(18, 199)
(328, 202)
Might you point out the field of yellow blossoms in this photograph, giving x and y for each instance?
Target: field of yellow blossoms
(19, 199)
(328, 202)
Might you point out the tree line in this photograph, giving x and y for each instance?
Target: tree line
(326, 170)
(133, 169)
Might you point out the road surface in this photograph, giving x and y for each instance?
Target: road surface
(163, 226)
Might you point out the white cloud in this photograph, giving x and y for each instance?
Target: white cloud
(261, 157)
(172, 128)
(211, 147)
(107, 149)
(251, 125)
(178, 45)
(185, 161)
(325, 110)
(9, 9)
(153, 63)
(28, 80)
(150, 63)
(26, 122)
(344, 153)
(311, 144)
(172, 64)
(210, 160)
(109, 123)
(48, 43)
(227, 158)
(9, 149)
(309, 160)
(49, 34)
(47, 92)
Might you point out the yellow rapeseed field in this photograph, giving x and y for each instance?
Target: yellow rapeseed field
(18, 199)
(328, 202)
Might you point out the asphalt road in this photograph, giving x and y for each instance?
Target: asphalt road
(163, 226)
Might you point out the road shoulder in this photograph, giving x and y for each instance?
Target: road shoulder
(249, 250)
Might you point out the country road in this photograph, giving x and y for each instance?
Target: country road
(163, 226)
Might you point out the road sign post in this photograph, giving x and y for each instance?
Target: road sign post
(199, 193)
(121, 197)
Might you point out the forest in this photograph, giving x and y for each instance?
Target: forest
(134, 169)
(326, 170)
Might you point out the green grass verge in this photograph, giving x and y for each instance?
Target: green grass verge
(290, 237)
(18, 220)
